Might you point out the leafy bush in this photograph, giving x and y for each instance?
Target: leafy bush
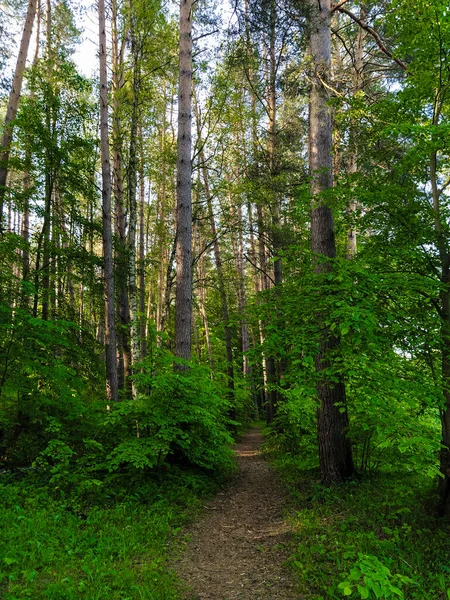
(181, 416)
(370, 578)
(47, 382)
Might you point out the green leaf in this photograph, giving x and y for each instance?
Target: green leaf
(363, 591)
(347, 591)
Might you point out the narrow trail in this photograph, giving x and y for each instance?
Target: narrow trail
(239, 548)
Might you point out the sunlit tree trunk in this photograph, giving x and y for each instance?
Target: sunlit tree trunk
(49, 171)
(13, 102)
(183, 302)
(27, 183)
(334, 447)
(110, 333)
(142, 248)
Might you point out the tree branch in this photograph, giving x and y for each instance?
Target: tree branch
(247, 258)
(374, 34)
(337, 6)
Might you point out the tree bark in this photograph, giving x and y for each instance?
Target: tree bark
(335, 453)
(123, 308)
(183, 301)
(13, 102)
(358, 81)
(142, 250)
(110, 332)
(132, 202)
(444, 257)
(49, 171)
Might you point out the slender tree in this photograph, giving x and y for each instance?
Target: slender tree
(110, 332)
(132, 194)
(183, 301)
(13, 101)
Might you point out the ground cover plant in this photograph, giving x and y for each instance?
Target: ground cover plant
(62, 548)
(373, 537)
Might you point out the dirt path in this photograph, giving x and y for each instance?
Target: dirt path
(238, 549)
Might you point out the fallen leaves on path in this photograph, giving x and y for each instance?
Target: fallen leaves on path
(238, 549)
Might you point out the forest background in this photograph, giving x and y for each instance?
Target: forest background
(223, 231)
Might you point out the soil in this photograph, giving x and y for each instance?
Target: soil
(239, 548)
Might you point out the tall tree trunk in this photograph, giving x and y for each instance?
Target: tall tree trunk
(444, 256)
(183, 301)
(358, 85)
(110, 332)
(49, 172)
(132, 201)
(27, 184)
(142, 248)
(218, 261)
(13, 102)
(335, 453)
(123, 309)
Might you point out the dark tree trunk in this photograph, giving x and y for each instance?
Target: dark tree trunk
(110, 332)
(335, 453)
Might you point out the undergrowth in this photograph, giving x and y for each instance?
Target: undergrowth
(62, 548)
(373, 538)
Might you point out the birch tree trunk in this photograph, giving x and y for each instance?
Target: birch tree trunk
(13, 102)
(27, 183)
(49, 171)
(132, 201)
(358, 81)
(110, 332)
(183, 300)
(142, 248)
(335, 453)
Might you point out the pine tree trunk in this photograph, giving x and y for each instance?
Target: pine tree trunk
(110, 333)
(183, 301)
(13, 102)
(335, 454)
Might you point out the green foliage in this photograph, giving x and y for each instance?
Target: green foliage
(47, 376)
(387, 356)
(374, 538)
(64, 550)
(370, 578)
(179, 416)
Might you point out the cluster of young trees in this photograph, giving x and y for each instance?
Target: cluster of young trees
(274, 206)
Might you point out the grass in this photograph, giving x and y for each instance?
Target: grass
(57, 548)
(373, 538)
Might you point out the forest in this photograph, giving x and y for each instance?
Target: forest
(234, 231)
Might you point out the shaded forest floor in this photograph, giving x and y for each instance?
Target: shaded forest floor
(164, 538)
(239, 548)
